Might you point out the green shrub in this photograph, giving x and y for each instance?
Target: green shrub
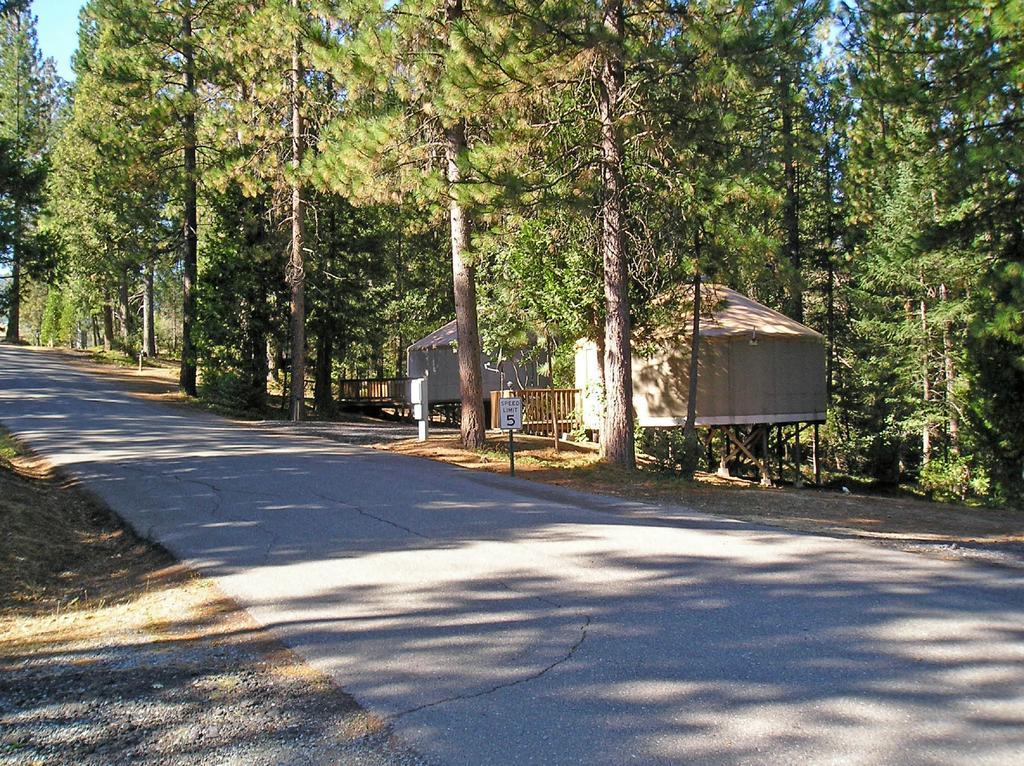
(954, 478)
(229, 389)
(670, 449)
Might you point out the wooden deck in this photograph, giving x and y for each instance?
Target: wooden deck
(379, 391)
(546, 411)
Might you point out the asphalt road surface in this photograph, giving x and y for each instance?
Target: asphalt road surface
(495, 621)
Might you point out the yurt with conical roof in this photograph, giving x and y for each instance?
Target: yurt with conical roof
(755, 366)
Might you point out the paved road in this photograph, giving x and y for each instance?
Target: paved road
(364, 431)
(498, 622)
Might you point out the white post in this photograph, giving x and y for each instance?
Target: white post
(420, 399)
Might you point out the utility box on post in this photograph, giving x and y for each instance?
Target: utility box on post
(418, 397)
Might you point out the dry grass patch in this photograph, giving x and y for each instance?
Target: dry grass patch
(60, 547)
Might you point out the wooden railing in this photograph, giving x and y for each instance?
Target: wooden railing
(546, 411)
(374, 390)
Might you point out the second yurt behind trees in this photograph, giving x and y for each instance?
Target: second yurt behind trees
(435, 357)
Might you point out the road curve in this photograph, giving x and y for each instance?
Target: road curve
(495, 621)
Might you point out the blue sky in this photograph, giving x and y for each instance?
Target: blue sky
(58, 31)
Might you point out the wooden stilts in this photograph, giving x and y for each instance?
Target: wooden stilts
(798, 481)
(723, 460)
(780, 450)
(766, 479)
(814, 454)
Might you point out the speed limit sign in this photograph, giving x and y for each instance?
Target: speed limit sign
(510, 414)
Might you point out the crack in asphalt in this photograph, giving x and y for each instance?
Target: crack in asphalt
(507, 685)
(542, 599)
(218, 497)
(498, 687)
(367, 514)
(215, 510)
(218, 493)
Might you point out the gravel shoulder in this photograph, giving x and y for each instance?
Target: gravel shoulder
(111, 653)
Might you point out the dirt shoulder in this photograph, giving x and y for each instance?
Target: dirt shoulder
(111, 653)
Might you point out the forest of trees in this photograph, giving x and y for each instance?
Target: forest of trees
(248, 185)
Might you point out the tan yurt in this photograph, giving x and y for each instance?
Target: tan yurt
(755, 366)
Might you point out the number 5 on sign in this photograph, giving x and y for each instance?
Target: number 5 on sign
(510, 414)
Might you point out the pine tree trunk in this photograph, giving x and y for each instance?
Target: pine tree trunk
(690, 429)
(14, 306)
(259, 361)
(791, 210)
(830, 326)
(464, 281)
(617, 429)
(108, 325)
(296, 263)
(124, 312)
(400, 359)
(148, 328)
(926, 387)
(342, 368)
(256, 353)
(472, 423)
(949, 370)
(322, 400)
(830, 271)
(187, 376)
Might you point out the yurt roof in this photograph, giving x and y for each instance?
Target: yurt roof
(439, 338)
(725, 313)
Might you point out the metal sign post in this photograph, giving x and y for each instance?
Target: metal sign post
(510, 418)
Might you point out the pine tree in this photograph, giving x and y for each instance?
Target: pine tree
(29, 98)
(938, 103)
(107, 199)
(155, 60)
(665, 86)
(296, 261)
(407, 130)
